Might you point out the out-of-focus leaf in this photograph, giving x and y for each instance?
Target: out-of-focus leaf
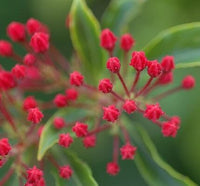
(183, 42)
(155, 171)
(50, 135)
(85, 33)
(120, 13)
(188, 65)
(82, 174)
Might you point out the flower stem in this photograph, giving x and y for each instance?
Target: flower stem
(6, 177)
(137, 76)
(115, 148)
(145, 86)
(167, 93)
(117, 96)
(123, 84)
(99, 129)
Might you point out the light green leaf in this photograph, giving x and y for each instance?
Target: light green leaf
(120, 13)
(85, 33)
(183, 42)
(50, 135)
(155, 171)
(82, 174)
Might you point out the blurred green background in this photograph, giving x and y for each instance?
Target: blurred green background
(183, 152)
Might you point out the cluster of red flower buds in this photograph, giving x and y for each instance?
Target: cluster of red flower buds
(37, 71)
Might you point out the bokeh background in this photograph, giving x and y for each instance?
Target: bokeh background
(183, 152)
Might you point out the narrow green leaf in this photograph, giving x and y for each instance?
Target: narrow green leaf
(188, 65)
(82, 174)
(85, 32)
(183, 42)
(155, 171)
(50, 135)
(120, 13)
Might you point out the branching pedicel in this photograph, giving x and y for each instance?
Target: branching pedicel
(37, 71)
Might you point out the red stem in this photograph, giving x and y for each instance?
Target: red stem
(117, 96)
(90, 87)
(6, 177)
(145, 86)
(167, 93)
(99, 129)
(115, 148)
(7, 116)
(123, 84)
(137, 76)
(125, 133)
(54, 162)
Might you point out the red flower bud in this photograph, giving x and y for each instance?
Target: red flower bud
(6, 49)
(29, 59)
(65, 140)
(34, 115)
(40, 42)
(19, 71)
(112, 168)
(111, 113)
(71, 94)
(167, 63)
(89, 141)
(80, 129)
(166, 78)
(6, 80)
(76, 78)
(154, 69)
(113, 64)
(29, 103)
(105, 85)
(60, 100)
(34, 175)
(169, 129)
(129, 106)
(58, 122)
(65, 172)
(16, 31)
(126, 42)
(108, 40)
(128, 151)
(34, 26)
(188, 82)
(4, 147)
(176, 120)
(153, 112)
(33, 73)
(138, 61)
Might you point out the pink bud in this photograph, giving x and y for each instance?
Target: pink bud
(188, 82)
(108, 40)
(138, 61)
(40, 42)
(16, 31)
(113, 64)
(105, 86)
(126, 42)
(6, 49)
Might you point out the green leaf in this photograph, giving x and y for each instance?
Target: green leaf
(50, 135)
(183, 42)
(188, 65)
(155, 171)
(82, 174)
(120, 13)
(85, 32)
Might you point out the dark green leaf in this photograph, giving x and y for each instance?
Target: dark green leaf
(151, 166)
(85, 32)
(50, 135)
(82, 174)
(183, 42)
(120, 13)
